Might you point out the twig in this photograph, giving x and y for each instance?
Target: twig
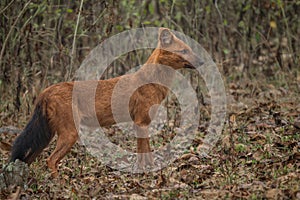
(6, 7)
(220, 14)
(287, 27)
(74, 39)
(10, 31)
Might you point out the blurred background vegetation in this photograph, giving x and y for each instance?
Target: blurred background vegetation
(248, 39)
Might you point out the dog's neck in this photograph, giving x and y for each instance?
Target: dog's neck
(156, 69)
(157, 73)
(157, 58)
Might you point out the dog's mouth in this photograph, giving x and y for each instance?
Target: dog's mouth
(189, 66)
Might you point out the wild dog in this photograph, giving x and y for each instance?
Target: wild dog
(53, 112)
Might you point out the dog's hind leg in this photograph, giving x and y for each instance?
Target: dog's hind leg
(66, 139)
(144, 154)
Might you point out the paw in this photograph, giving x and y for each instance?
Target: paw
(144, 162)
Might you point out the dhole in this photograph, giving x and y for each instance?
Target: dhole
(53, 111)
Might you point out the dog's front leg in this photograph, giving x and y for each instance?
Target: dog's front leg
(144, 154)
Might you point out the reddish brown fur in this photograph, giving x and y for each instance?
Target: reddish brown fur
(58, 100)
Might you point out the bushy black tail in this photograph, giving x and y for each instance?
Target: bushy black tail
(33, 139)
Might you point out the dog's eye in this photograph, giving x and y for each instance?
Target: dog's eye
(184, 51)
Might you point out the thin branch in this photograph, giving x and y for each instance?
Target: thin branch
(10, 31)
(220, 14)
(10, 3)
(74, 40)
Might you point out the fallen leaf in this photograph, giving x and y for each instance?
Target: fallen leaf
(297, 124)
(137, 197)
(258, 155)
(5, 146)
(273, 194)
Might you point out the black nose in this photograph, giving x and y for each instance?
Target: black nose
(199, 61)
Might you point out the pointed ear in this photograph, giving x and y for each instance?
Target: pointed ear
(165, 37)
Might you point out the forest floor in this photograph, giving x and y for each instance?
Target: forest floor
(257, 156)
